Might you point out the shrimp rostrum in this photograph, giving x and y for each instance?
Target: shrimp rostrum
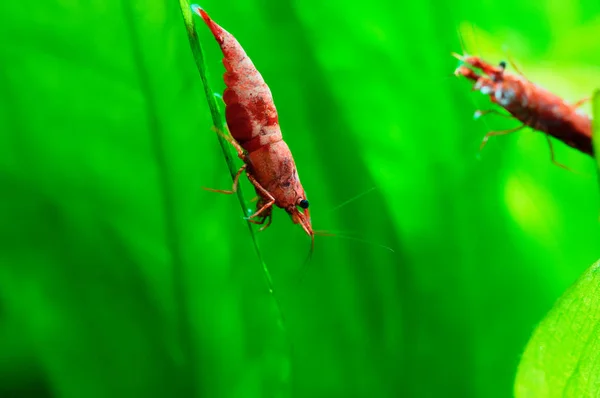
(532, 105)
(253, 123)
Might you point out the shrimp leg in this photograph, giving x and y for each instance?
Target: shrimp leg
(236, 181)
(480, 113)
(241, 155)
(268, 218)
(514, 66)
(581, 102)
(502, 132)
(233, 142)
(258, 222)
(266, 195)
(263, 217)
(552, 157)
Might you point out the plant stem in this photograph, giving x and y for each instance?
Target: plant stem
(225, 146)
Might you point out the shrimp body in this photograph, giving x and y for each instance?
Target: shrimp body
(254, 125)
(532, 105)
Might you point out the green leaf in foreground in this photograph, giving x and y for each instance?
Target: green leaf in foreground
(562, 359)
(596, 125)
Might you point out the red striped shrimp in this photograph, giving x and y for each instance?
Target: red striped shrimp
(532, 105)
(253, 123)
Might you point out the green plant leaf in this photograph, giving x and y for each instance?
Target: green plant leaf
(562, 359)
(596, 126)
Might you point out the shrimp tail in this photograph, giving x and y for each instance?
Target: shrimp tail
(232, 50)
(218, 32)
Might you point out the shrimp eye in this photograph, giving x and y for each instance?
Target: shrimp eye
(503, 64)
(303, 203)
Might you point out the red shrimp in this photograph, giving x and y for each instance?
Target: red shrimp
(532, 105)
(255, 133)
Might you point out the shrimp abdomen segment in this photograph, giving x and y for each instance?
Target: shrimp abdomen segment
(250, 110)
(547, 112)
(251, 117)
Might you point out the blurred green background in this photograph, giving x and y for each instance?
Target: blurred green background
(121, 277)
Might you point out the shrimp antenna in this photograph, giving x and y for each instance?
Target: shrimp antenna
(509, 57)
(304, 267)
(312, 248)
(352, 199)
(475, 42)
(463, 45)
(461, 58)
(354, 238)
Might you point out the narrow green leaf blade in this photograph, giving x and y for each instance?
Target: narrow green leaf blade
(562, 359)
(596, 125)
(218, 123)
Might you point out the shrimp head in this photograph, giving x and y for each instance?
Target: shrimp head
(507, 90)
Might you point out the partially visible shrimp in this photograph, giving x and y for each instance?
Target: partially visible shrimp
(255, 133)
(532, 105)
